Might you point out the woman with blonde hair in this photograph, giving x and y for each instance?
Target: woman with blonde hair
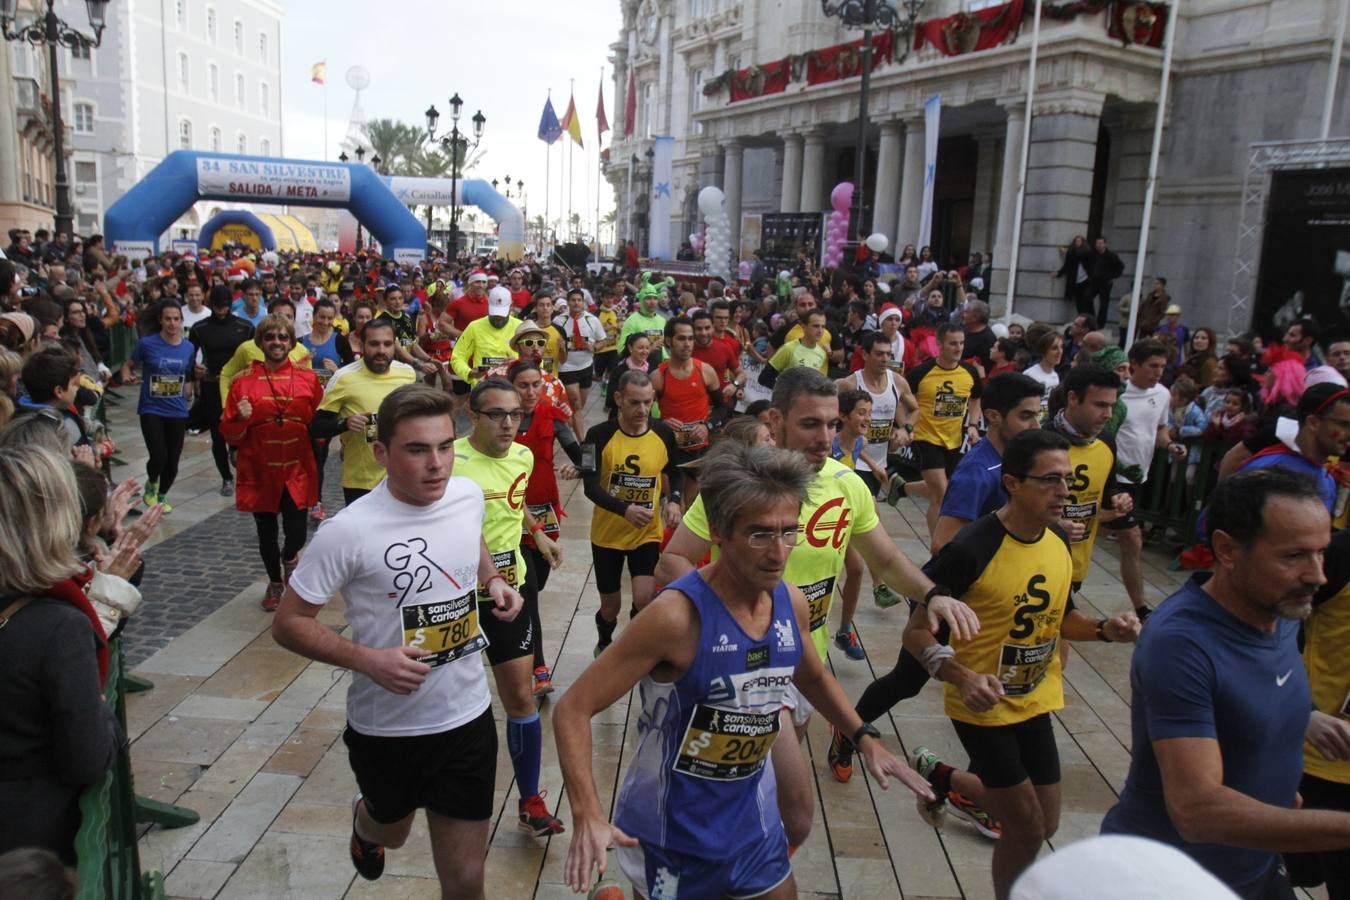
(10, 365)
(57, 736)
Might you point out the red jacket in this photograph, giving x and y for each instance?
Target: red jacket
(274, 450)
(541, 491)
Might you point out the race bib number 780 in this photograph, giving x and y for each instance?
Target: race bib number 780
(448, 629)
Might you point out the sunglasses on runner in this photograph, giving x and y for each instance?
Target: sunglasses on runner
(532, 342)
(276, 336)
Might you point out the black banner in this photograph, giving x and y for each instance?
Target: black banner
(1305, 253)
(781, 234)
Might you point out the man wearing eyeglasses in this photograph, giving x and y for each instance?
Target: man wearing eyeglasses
(716, 656)
(839, 513)
(1013, 568)
(490, 456)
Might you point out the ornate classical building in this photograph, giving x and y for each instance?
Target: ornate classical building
(762, 99)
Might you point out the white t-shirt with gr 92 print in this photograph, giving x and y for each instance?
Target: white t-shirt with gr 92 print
(408, 575)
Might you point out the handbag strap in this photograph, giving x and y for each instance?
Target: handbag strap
(9, 611)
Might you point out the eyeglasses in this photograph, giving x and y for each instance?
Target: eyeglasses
(1052, 478)
(761, 540)
(532, 342)
(499, 415)
(276, 336)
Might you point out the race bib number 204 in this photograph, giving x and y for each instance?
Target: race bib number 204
(726, 745)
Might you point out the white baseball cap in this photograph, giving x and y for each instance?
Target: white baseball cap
(499, 302)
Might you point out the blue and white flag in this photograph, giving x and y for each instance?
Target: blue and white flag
(662, 202)
(550, 129)
(932, 113)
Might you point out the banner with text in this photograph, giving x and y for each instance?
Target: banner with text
(245, 179)
(658, 237)
(932, 112)
(1305, 252)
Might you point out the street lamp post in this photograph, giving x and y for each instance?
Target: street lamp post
(458, 146)
(868, 15)
(54, 32)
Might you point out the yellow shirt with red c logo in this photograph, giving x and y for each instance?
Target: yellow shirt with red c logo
(502, 480)
(838, 507)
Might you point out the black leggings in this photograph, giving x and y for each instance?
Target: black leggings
(293, 524)
(901, 683)
(536, 576)
(320, 459)
(164, 442)
(206, 415)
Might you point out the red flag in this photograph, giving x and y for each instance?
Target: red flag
(630, 108)
(601, 122)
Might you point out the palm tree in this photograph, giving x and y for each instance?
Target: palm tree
(430, 163)
(396, 143)
(574, 221)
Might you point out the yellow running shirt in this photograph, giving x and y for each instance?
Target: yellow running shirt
(354, 390)
(838, 507)
(1326, 637)
(481, 347)
(628, 469)
(944, 397)
(1020, 591)
(795, 353)
(502, 480)
(1094, 467)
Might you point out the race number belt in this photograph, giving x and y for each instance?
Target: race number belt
(545, 515)
(818, 595)
(1022, 668)
(372, 427)
(948, 405)
(504, 561)
(1081, 512)
(491, 362)
(166, 385)
(726, 745)
(447, 628)
(637, 489)
(607, 343)
(323, 375)
(684, 436)
(879, 431)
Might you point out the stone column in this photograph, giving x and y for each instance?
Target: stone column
(986, 192)
(911, 186)
(620, 88)
(1058, 196)
(813, 173)
(1131, 143)
(790, 197)
(886, 202)
(1007, 203)
(731, 186)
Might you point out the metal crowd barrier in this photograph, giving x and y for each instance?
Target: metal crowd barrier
(1169, 505)
(109, 862)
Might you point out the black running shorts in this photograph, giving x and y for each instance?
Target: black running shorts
(1004, 756)
(451, 773)
(609, 564)
(932, 456)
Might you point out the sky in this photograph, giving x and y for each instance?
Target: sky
(503, 59)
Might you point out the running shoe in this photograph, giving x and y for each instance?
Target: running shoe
(367, 857)
(606, 889)
(895, 489)
(165, 505)
(227, 488)
(536, 819)
(977, 816)
(150, 496)
(884, 597)
(543, 681)
(316, 514)
(934, 812)
(840, 756)
(847, 640)
(272, 599)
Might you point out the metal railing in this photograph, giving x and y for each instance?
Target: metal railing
(105, 846)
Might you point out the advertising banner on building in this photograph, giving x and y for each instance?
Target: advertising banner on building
(1305, 252)
(662, 201)
(280, 181)
(932, 114)
(783, 234)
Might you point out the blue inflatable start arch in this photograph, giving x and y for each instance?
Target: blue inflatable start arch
(133, 225)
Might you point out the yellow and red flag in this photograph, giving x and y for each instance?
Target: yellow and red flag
(570, 123)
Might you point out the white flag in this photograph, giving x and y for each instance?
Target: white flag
(932, 113)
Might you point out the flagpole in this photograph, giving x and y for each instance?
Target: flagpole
(572, 106)
(1022, 170)
(599, 165)
(548, 173)
(327, 147)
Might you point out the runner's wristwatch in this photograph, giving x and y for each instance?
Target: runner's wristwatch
(867, 729)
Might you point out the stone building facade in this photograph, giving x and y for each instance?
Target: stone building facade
(1242, 72)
